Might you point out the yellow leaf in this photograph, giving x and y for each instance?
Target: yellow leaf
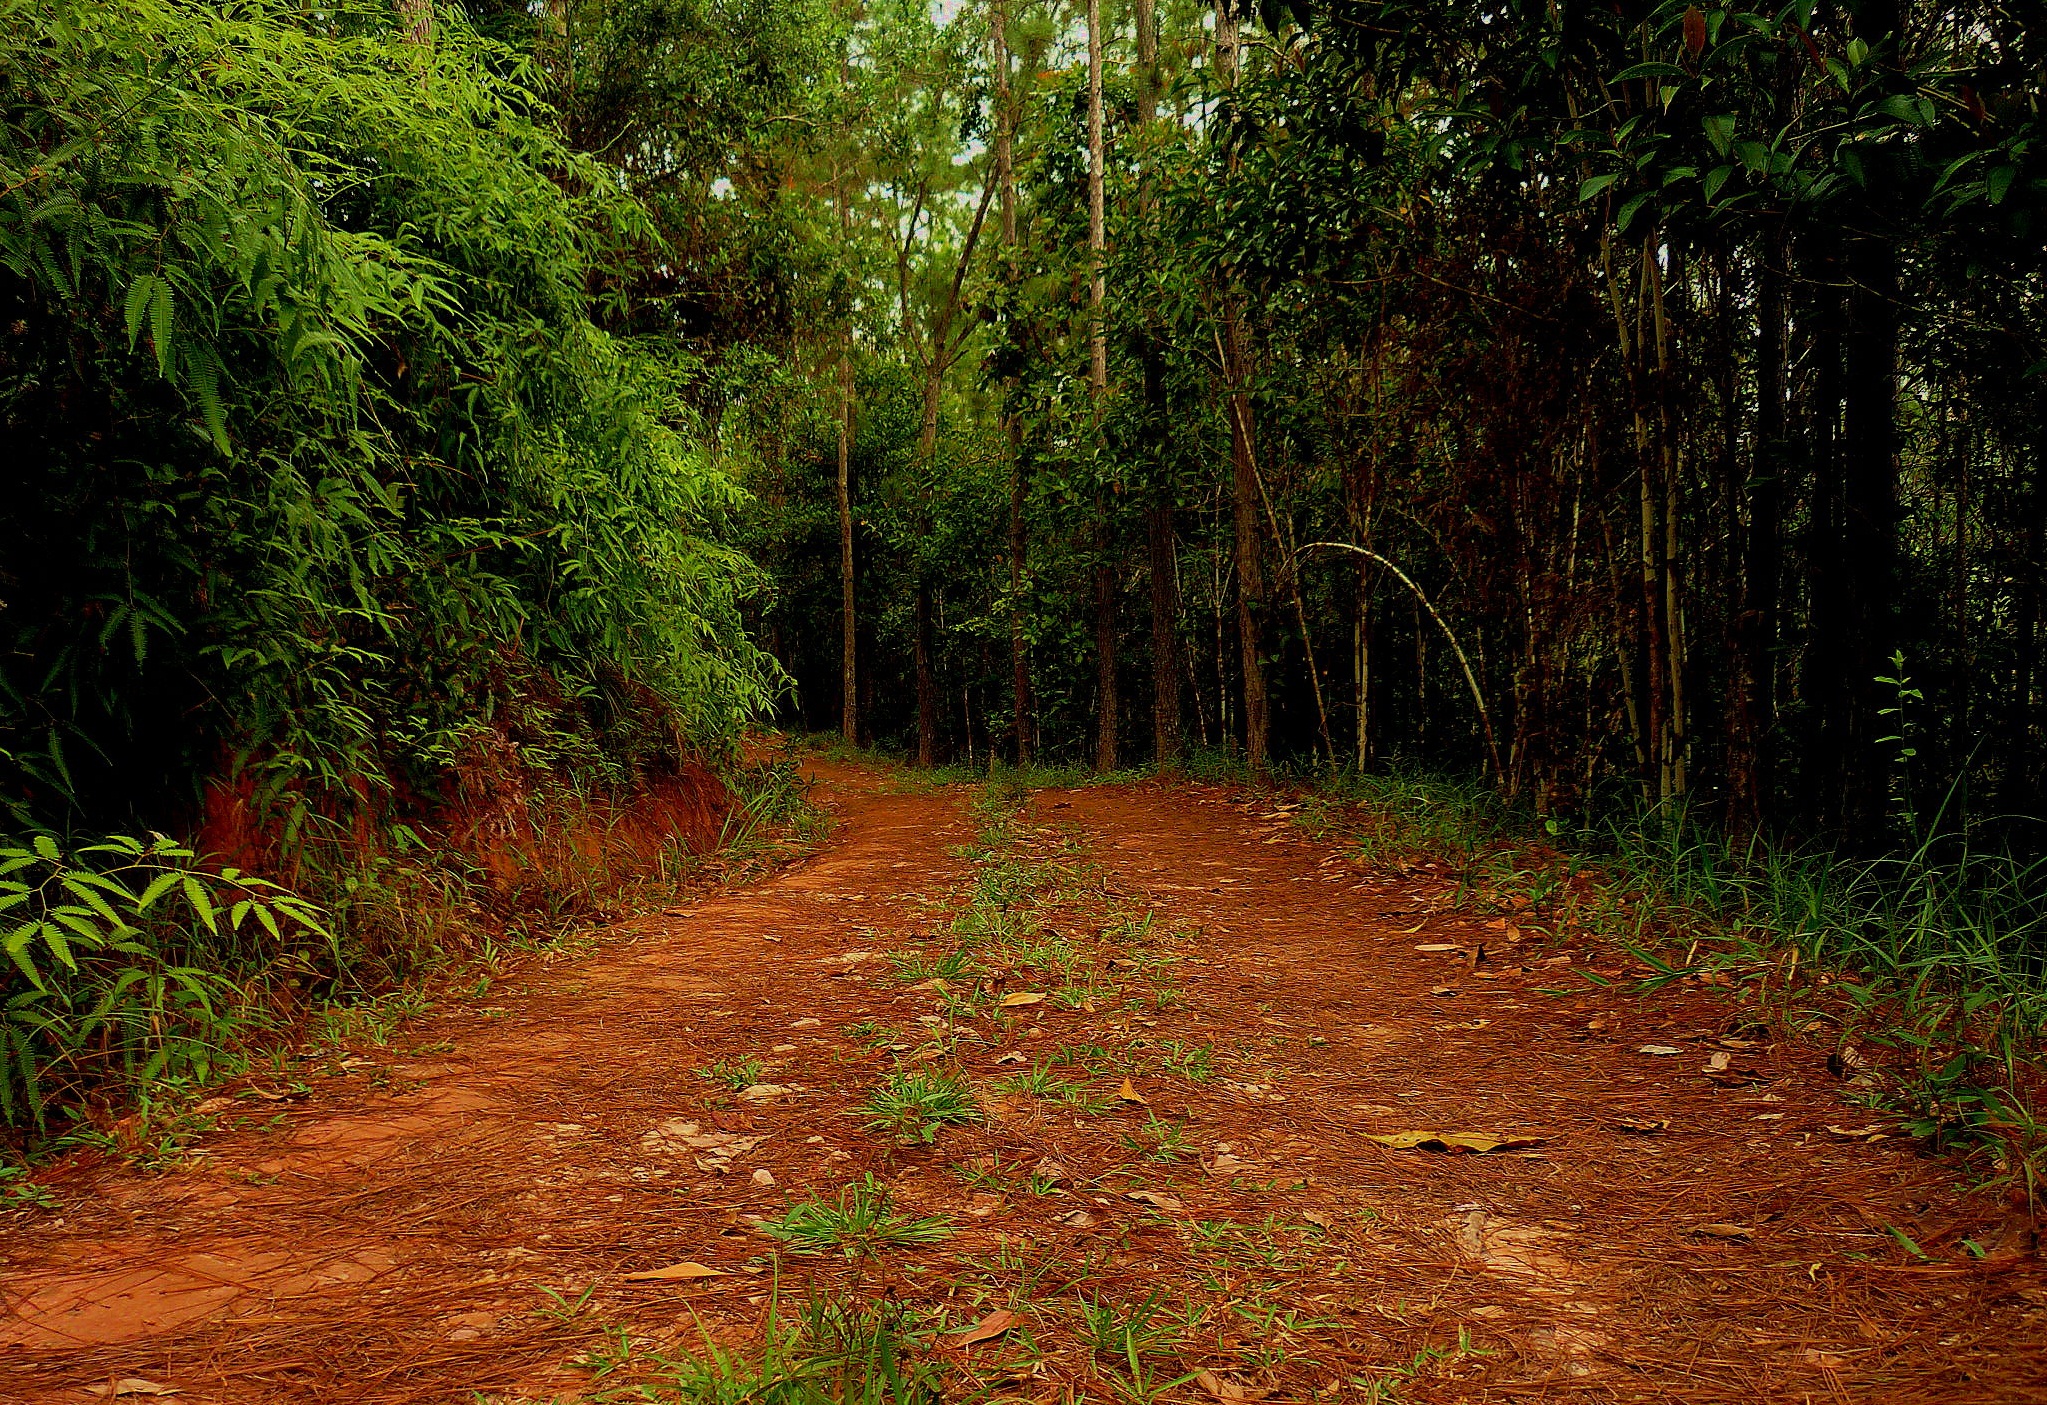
(676, 1271)
(1021, 997)
(1477, 1143)
(1128, 1093)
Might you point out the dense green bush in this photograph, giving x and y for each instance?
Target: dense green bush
(324, 492)
(322, 463)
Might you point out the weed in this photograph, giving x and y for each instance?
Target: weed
(1040, 1082)
(917, 1104)
(861, 1222)
(1159, 1140)
(17, 1192)
(736, 1074)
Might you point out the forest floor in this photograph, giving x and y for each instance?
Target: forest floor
(1179, 1022)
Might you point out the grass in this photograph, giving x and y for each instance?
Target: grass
(736, 1074)
(917, 1104)
(860, 1223)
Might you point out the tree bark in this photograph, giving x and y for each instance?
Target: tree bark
(1098, 385)
(418, 16)
(1005, 177)
(1752, 703)
(1243, 471)
(927, 684)
(849, 698)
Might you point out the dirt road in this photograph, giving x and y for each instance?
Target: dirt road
(453, 1212)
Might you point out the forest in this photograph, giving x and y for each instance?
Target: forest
(1633, 406)
(462, 458)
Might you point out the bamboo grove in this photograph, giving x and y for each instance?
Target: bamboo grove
(1638, 403)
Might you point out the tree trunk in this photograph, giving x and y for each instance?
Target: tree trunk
(1250, 570)
(1005, 177)
(1823, 672)
(1098, 386)
(418, 16)
(927, 684)
(1869, 526)
(1752, 704)
(849, 705)
(1165, 625)
(1243, 470)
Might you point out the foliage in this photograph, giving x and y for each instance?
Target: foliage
(862, 1221)
(332, 472)
(124, 956)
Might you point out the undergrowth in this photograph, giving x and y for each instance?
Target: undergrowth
(136, 971)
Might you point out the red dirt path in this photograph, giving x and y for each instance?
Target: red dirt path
(388, 1238)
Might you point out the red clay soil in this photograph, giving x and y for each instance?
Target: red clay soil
(1674, 1234)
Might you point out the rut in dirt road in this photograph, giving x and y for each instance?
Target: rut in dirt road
(1180, 1024)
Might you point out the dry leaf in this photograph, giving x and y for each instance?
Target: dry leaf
(1660, 1049)
(1439, 946)
(1128, 1093)
(133, 1385)
(1718, 1063)
(1443, 990)
(1079, 1219)
(762, 1092)
(1721, 1231)
(763, 1176)
(1474, 1142)
(989, 1327)
(1154, 1199)
(676, 1272)
(1021, 997)
(1052, 1171)
(936, 983)
(1225, 1389)
(1318, 1219)
(1874, 1132)
(1642, 1127)
(1225, 1165)
(1014, 1056)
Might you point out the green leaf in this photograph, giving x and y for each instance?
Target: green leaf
(1720, 132)
(1652, 69)
(201, 904)
(1597, 184)
(139, 293)
(160, 323)
(1716, 178)
(1998, 183)
(1627, 213)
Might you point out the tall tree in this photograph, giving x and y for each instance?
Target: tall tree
(1106, 720)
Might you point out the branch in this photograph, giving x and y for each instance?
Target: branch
(1484, 717)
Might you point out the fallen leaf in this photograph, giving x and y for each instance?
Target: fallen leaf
(1223, 1388)
(1475, 1142)
(269, 1095)
(763, 1176)
(936, 983)
(1014, 1056)
(1443, 990)
(1021, 997)
(1318, 1219)
(1079, 1219)
(1439, 946)
(1874, 1132)
(1154, 1199)
(1718, 1063)
(133, 1385)
(1225, 1165)
(806, 1023)
(675, 1272)
(1642, 1127)
(761, 1092)
(1128, 1093)
(1721, 1231)
(989, 1327)
(1659, 1049)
